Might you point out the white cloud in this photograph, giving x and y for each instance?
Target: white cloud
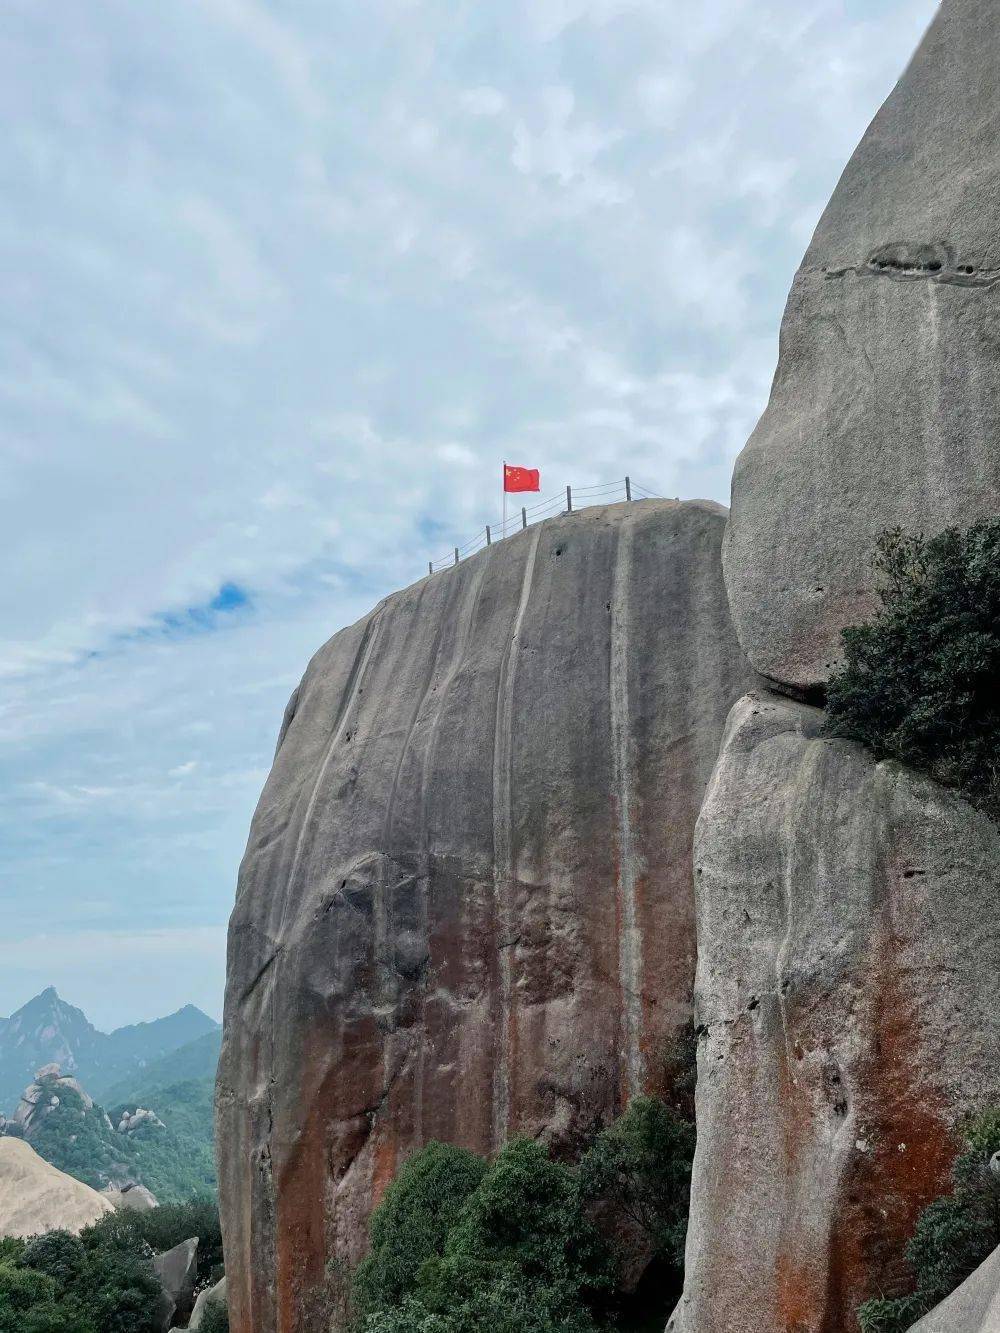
(284, 282)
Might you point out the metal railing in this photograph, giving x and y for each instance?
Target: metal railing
(567, 501)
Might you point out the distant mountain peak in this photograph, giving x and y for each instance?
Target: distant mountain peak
(48, 1030)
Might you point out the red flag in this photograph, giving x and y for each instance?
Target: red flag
(520, 478)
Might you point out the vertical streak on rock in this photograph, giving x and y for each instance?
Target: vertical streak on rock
(628, 868)
(463, 641)
(300, 1265)
(503, 856)
(336, 734)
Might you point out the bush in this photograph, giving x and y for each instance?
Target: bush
(32, 1302)
(953, 1235)
(641, 1169)
(57, 1253)
(510, 1249)
(920, 681)
(525, 1220)
(162, 1228)
(215, 1319)
(412, 1222)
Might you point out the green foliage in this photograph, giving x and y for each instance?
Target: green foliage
(101, 1282)
(523, 1230)
(919, 682)
(412, 1222)
(175, 1162)
(953, 1235)
(32, 1302)
(59, 1254)
(215, 1319)
(11, 1249)
(517, 1246)
(640, 1168)
(161, 1229)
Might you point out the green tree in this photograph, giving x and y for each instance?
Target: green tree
(32, 1302)
(59, 1254)
(412, 1222)
(215, 1319)
(162, 1228)
(920, 681)
(520, 1254)
(640, 1169)
(952, 1237)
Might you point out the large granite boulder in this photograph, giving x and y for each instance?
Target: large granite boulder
(848, 1008)
(973, 1308)
(466, 905)
(35, 1196)
(884, 409)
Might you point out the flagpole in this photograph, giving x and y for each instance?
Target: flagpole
(503, 495)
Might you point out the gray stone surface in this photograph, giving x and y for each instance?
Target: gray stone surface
(177, 1270)
(210, 1296)
(136, 1198)
(466, 904)
(884, 409)
(848, 1003)
(974, 1308)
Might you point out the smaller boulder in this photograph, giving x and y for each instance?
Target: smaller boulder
(177, 1270)
(210, 1296)
(973, 1308)
(135, 1197)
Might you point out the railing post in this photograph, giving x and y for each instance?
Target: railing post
(628, 488)
(488, 539)
(524, 518)
(456, 555)
(430, 566)
(569, 500)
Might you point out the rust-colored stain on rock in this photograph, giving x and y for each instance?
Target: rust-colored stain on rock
(430, 926)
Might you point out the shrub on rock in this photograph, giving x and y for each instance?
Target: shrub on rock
(921, 681)
(953, 1235)
(411, 1224)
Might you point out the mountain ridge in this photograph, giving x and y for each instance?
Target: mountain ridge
(49, 1030)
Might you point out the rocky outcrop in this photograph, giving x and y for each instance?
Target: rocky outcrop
(130, 1121)
(131, 1198)
(973, 1308)
(884, 406)
(35, 1197)
(848, 1008)
(177, 1270)
(466, 904)
(210, 1296)
(41, 1098)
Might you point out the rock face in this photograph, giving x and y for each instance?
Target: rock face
(466, 905)
(848, 1003)
(884, 407)
(973, 1308)
(35, 1197)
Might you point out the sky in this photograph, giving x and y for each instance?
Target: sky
(283, 282)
